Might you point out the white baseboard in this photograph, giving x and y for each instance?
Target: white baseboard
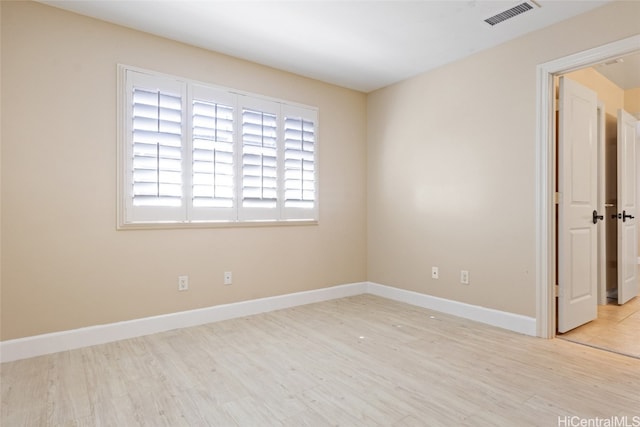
(502, 319)
(39, 345)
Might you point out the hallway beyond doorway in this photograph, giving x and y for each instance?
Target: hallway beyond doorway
(616, 329)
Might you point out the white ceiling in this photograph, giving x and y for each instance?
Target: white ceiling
(625, 72)
(363, 45)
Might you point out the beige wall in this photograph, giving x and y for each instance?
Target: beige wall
(632, 101)
(451, 177)
(64, 265)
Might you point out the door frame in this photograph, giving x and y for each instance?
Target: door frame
(545, 171)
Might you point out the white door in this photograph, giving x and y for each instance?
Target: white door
(577, 181)
(627, 209)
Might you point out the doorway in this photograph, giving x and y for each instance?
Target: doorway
(546, 161)
(616, 322)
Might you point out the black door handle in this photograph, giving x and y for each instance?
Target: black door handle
(623, 216)
(596, 217)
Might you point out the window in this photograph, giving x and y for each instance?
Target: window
(193, 153)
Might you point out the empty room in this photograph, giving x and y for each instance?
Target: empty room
(315, 213)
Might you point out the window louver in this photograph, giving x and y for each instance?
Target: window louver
(259, 159)
(299, 162)
(213, 157)
(157, 148)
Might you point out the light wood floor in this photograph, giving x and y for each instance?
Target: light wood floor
(617, 328)
(358, 361)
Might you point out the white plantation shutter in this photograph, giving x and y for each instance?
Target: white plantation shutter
(259, 165)
(213, 154)
(299, 152)
(189, 152)
(155, 149)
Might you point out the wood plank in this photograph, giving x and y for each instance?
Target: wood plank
(357, 361)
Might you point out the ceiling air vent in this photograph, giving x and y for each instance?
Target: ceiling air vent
(510, 13)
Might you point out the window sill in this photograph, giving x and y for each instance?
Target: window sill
(172, 225)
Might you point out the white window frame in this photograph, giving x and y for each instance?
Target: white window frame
(187, 215)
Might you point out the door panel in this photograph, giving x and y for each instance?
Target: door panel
(581, 254)
(627, 204)
(577, 181)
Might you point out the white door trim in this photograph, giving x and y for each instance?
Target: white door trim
(545, 166)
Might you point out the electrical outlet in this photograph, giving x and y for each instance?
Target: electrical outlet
(183, 283)
(227, 277)
(435, 273)
(464, 277)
